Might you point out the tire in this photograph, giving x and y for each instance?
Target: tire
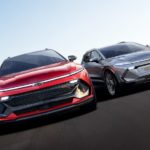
(111, 84)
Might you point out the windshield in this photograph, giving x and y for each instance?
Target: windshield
(30, 61)
(121, 49)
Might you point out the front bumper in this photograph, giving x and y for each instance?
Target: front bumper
(136, 75)
(47, 98)
(78, 104)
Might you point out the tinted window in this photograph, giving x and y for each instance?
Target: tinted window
(121, 49)
(30, 61)
(87, 57)
(95, 54)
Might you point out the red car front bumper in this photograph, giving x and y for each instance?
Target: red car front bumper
(13, 118)
(31, 102)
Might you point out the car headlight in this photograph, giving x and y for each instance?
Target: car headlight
(131, 67)
(5, 98)
(82, 90)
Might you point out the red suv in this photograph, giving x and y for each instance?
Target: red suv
(41, 83)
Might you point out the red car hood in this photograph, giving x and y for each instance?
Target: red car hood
(38, 74)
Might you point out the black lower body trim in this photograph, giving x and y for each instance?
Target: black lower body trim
(70, 107)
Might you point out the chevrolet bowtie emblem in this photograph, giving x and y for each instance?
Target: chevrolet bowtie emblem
(37, 84)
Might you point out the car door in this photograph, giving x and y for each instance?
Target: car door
(92, 63)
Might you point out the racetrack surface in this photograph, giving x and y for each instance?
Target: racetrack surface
(121, 123)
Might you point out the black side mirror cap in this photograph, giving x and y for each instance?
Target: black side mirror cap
(72, 58)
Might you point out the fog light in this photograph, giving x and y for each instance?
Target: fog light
(82, 90)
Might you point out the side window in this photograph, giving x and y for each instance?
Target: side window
(95, 54)
(87, 57)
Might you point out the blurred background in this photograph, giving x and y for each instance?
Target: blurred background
(71, 26)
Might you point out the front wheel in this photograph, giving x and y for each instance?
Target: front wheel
(111, 84)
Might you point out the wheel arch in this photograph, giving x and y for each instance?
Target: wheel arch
(108, 69)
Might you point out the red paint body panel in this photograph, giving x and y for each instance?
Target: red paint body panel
(42, 74)
(37, 74)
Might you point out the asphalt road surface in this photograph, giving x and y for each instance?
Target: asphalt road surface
(121, 123)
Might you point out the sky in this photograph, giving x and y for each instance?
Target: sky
(71, 26)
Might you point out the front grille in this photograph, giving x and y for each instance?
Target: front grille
(42, 107)
(41, 95)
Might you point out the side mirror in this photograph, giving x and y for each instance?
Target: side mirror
(72, 58)
(94, 60)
